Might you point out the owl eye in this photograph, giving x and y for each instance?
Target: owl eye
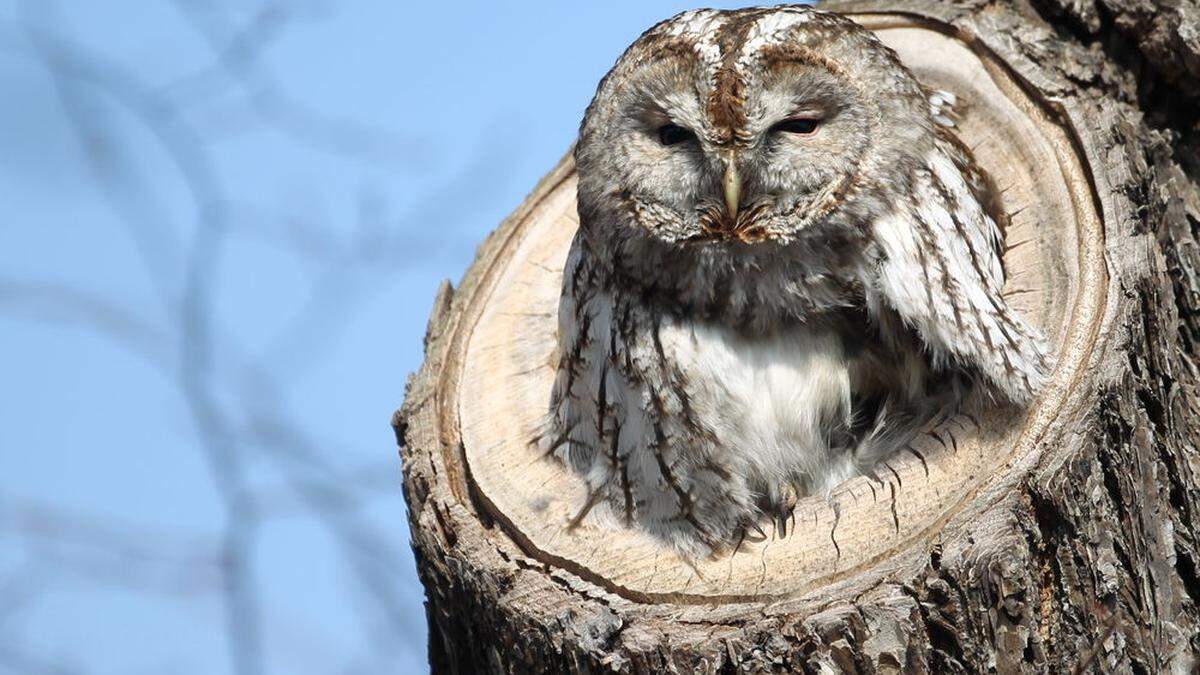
(798, 125)
(672, 134)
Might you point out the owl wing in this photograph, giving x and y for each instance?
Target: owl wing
(940, 270)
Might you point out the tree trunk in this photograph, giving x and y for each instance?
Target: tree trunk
(1062, 541)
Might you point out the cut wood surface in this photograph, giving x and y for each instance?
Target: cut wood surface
(954, 539)
(506, 368)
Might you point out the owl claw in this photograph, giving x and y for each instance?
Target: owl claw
(779, 504)
(784, 509)
(743, 535)
(781, 522)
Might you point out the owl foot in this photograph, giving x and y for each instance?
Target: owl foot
(748, 532)
(780, 506)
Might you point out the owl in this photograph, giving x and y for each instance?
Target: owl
(787, 266)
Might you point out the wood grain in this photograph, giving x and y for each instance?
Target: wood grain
(1054, 269)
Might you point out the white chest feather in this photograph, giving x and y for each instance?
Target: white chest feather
(770, 401)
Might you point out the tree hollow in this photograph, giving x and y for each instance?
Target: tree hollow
(505, 368)
(1060, 538)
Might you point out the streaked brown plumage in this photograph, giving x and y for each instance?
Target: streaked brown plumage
(784, 269)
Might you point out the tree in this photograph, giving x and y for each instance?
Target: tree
(1065, 540)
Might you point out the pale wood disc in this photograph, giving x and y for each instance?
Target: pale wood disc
(499, 384)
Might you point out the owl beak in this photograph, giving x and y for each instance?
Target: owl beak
(732, 185)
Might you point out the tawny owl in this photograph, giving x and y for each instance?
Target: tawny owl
(786, 265)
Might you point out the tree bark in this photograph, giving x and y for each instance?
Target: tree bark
(1078, 552)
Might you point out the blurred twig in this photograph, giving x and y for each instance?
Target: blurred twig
(234, 399)
(238, 50)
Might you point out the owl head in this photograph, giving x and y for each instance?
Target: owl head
(725, 146)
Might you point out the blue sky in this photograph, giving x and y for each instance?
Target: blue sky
(239, 211)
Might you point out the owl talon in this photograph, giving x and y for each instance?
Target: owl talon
(743, 535)
(740, 538)
(780, 505)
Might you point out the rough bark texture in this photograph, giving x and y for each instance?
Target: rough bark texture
(1088, 559)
